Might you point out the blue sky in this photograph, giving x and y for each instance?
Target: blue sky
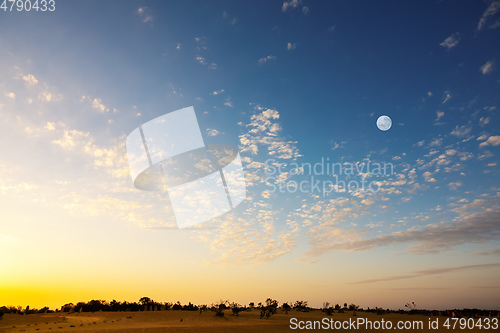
(294, 81)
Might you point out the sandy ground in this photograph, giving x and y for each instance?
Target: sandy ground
(193, 321)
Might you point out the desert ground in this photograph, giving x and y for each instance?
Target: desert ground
(193, 321)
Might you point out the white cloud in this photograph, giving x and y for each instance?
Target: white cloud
(178, 47)
(46, 96)
(29, 79)
(493, 140)
(201, 60)
(451, 41)
(447, 96)
(484, 120)
(97, 104)
(488, 67)
(455, 185)
(492, 9)
(228, 102)
(291, 4)
(212, 132)
(217, 92)
(263, 132)
(461, 131)
(291, 46)
(266, 59)
(439, 115)
(145, 13)
(11, 95)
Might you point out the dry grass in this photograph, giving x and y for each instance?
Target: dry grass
(192, 321)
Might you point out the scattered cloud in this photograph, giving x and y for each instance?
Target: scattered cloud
(495, 252)
(217, 92)
(461, 131)
(451, 41)
(439, 115)
(447, 96)
(29, 79)
(479, 226)
(493, 140)
(231, 20)
(228, 102)
(212, 132)
(96, 103)
(492, 9)
(10, 95)
(292, 4)
(455, 185)
(484, 120)
(201, 60)
(46, 96)
(266, 59)
(291, 46)
(145, 14)
(432, 271)
(488, 67)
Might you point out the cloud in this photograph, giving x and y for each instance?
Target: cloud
(439, 115)
(10, 95)
(451, 41)
(447, 96)
(266, 59)
(96, 103)
(455, 185)
(29, 79)
(488, 67)
(461, 131)
(493, 140)
(263, 132)
(228, 102)
(476, 227)
(291, 4)
(232, 21)
(212, 132)
(145, 14)
(255, 236)
(291, 46)
(484, 120)
(492, 9)
(428, 272)
(495, 252)
(201, 60)
(428, 177)
(217, 92)
(46, 96)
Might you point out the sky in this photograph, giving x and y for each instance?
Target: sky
(336, 209)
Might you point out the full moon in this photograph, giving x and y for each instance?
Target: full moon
(384, 123)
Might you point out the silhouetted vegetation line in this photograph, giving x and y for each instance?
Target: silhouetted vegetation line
(267, 308)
